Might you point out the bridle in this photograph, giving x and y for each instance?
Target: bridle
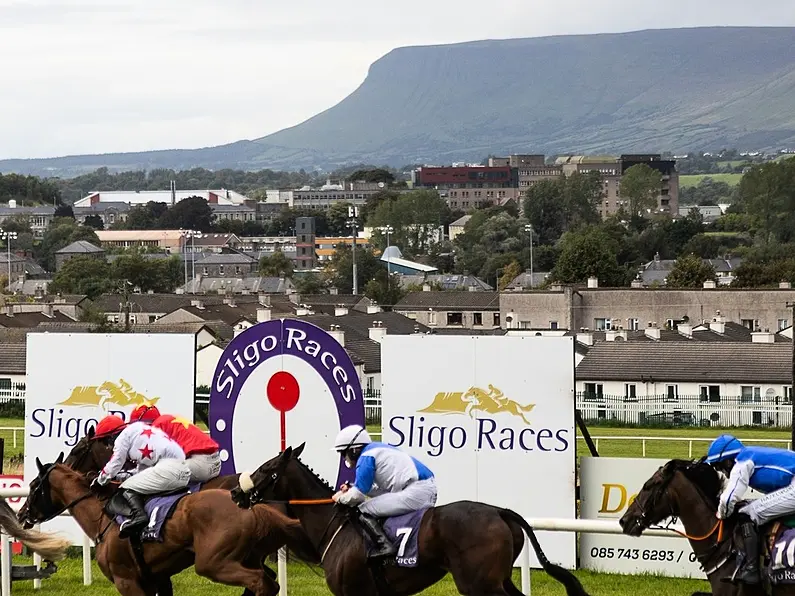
(48, 509)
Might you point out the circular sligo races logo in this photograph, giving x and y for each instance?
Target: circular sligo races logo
(284, 382)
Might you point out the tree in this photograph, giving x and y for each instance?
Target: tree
(145, 217)
(384, 289)
(509, 273)
(61, 233)
(157, 275)
(308, 283)
(82, 275)
(589, 251)
(276, 265)
(373, 175)
(339, 271)
(492, 239)
(337, 218)
(640, 185)
(767, 194)
(557, 206)
(191, 213)
(690, 271)
(64, 211)
(706, 247)
(415, 217)
(94, 221)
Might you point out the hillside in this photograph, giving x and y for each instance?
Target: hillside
(678, 89)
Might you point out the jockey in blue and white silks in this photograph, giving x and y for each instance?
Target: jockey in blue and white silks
(767, 470)
(396, 482)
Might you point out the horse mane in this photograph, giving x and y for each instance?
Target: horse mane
(315, 475)
(701, 474)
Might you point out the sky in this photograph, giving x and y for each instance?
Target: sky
(102, 76)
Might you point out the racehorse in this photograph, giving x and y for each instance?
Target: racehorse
(475, 542)
(689, 490)
(230, 552)
(51, 547)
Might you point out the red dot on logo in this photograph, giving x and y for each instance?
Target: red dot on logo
(283, 391)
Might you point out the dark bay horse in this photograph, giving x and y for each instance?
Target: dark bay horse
(476, 543)
(689, 490)
(229, 552)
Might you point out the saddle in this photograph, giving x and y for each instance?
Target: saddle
(401, 531)
(158, 508)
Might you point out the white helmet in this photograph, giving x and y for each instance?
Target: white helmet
(351, 436)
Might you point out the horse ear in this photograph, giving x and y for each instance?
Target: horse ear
(299, 450)
(90, 432)
(60, 458)
(40, 466)
(288, 453)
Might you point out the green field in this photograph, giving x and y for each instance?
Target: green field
(303, 581)
(689, 180)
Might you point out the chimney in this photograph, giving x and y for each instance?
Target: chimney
(593, 282)
(47, 310)
(652, 331)
(198, 304)
(340, 310)
(685, 329)
(230, 301)
(637, 283)
(610, 335)
(763, 337)
(585, 337)
(264, 300)
(718, 323)
(295, 298)
(301, 311)
(377, 331)
(338, 334)
(263, 314)
(373, 309)
(472, 288)
(709, 284)
(333, 291)
(784, 285)
(426, 287)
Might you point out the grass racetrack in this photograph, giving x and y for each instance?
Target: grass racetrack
(301, 581)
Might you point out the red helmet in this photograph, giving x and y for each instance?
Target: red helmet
(108, 426)
(144, 413)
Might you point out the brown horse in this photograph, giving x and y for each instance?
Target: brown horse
(230, 552)
(689, 490)
(476, 543)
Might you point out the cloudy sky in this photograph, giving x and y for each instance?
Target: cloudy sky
(91, 76)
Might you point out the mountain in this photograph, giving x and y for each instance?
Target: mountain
(645, 91)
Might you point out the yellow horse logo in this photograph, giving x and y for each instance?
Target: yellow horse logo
(108, 393)
(476, 399)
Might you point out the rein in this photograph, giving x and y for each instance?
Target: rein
(718, 527)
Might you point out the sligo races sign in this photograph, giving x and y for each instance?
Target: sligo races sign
(492, 417)
(608, 485)
(281, 383)
(74, 380)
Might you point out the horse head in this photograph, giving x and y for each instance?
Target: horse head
(41, 504)
(267, 482)
(675, 487)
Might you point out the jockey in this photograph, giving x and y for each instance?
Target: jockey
(397, 482)
(161, 465)
(764, 469)
(202, 454)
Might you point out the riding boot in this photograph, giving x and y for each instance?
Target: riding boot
(749, 574)
(138, 519)
(383, 546)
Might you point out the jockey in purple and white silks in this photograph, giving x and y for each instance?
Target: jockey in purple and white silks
(397, 483)
(767, 470)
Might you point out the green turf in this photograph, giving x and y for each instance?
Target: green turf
(689, 180)
(302, 581)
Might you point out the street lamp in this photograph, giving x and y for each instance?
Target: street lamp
(387, 230)
(190, 234)
(353, 213)
(529, 229)
(8, 237)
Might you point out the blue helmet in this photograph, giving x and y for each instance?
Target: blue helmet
(722, 448)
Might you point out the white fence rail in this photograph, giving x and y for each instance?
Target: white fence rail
(688, 440)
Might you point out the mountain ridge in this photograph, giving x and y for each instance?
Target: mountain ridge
(640, 91)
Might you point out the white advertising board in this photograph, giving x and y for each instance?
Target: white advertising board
(608, 485)
(492, 417)
(73, 380)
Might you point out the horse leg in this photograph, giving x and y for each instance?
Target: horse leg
(232, 573)
(164, 587)
(510, 589)
(129, 587)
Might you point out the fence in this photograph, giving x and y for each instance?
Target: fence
(687, 410)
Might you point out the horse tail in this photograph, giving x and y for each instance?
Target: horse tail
(564, 576)
(51, 547)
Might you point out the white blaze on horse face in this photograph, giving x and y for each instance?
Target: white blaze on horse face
(349, 463)
(245, 482)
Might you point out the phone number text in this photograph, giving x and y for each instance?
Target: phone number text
(636, 554)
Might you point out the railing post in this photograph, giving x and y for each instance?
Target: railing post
(525, 568)
(644, 447)
(86, 560)
(282, 571)
(15, 438)
(5, 563)
(37, 563)
(690, 449)
(597, 445)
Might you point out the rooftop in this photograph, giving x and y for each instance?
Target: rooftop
(450, 301)
(13, 358)
(79, 247)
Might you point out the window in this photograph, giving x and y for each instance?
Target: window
(496, 319)
(788, 393)
(601, 324)
(553, 324)
(477, 319)
(594, 391)
(5, 384)
(237, 269)
(633, 324)
(455, 318)
(221, 269)
(630, 391)
(303, 225)
(206, 271)
(782, 324)
(671, 392)
(709, 393)
(749, 323)
(749, 394)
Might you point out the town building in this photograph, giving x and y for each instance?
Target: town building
(172, 241)
(469, 186)
(456, 310)
(109, 212)
(355, 193)
(457, 227)
(169, 197)
(394, 262)
(38, 217)
(80, 248)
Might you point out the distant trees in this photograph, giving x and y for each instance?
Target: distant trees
(690, 271)
(640, 185)
(28, 190)
(61, 233)
(276, 265)
(554, 207)
(415, 217)
(588, 251)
